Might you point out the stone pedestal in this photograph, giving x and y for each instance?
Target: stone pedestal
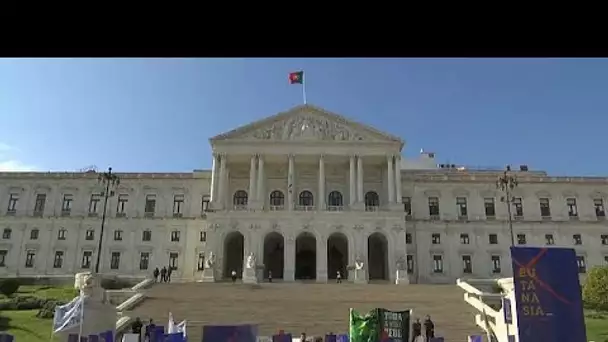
(98, 316)
(402, 278)
(208, 275)
(250, 276)
(360, 277)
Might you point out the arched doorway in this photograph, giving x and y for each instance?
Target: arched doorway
(337, 255)
(306, 257)
(377, 256)
(273, 255)
(233, 254)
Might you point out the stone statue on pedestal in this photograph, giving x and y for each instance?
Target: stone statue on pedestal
(210, 261)
(401, 263)
(209, 269)
(360, 276)
(401, 276)
(251, 261)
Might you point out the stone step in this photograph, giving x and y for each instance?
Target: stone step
(295, 307)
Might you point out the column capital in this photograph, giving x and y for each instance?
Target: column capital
(322, 156)
(255, 155)
(291, 156)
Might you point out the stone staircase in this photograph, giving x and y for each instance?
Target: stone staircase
(298, 307)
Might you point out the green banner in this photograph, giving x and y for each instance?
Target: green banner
(379, 325)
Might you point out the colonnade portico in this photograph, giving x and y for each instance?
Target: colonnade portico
(257, 191)
(309, 255)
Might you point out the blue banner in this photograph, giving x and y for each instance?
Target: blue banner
(282, 337)
(4, 337)
(230, 333)
(547, 295)
(506, 310)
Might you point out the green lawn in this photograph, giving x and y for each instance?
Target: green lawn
(24, 324)
(597, 326)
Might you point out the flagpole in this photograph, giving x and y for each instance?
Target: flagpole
(304, 90)
(81, 315)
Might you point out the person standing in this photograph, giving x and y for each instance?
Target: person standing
(169, 271)
(149, 331)
(233, 276)
(416, 330)
(136, 328)
(163, 274)
(269, 276)
(429, 328)
(155, 274)
(338, 277)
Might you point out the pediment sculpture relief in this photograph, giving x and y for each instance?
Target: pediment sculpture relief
(307, 127)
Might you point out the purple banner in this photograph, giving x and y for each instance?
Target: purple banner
(548, 295)
(4, 337)
(230, 333)
(506, 309)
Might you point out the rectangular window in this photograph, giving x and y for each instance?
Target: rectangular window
(407, 205)
(40, 204)
(115, 261)
(175, 236)
(489, 206)
(86, 259)
(89, 235)
(604, 238)
(549, 241)
(3, 254)
(173, 260)
(408, 238)
(461, 203)
(598, 204)
(410, 264)
(178, 205)
(433, 206)
(545, 209)
(464, 239)
(150, 205)
(58, 261)
(577, 239)
(495, 264)
(121, 207)
(13, 199)
(203, 237)
(66, 206)
(572, 208)
(437, 264)
(436, 239)
(146, 235)
(205, 203)
(582, 265)
(34, 234)
(201, 261)
(467, 265)
(144, 261)
(519, 207)
(30, 259)
(94, 204)
(118, 235)
(6, 233)
(521, 239)
(61, 233)
(493, 239)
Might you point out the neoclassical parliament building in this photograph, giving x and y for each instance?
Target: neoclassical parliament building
(309, 192)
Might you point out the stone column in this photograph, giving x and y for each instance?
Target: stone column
(222, 188)
(289, 257)
(322, 259)
(214, 165)
(252, 179)
(352, 192)
(360, 197)
(260, 186)
(391, 180)
(290, 182)
(321, 193)
(398, 179)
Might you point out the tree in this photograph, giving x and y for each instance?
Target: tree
(595, 290)
(9, 286)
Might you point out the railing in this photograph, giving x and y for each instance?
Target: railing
(277, 207)
(335, 208)
(305, 208)
(372, 208)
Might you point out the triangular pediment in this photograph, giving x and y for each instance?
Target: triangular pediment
(306, 123)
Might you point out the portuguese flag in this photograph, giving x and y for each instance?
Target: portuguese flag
(296, 77)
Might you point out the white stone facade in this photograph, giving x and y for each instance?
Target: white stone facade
(262, 196)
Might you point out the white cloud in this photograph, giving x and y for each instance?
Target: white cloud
(15, 165)
(8, 160)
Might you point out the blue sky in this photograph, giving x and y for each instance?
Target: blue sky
(157, 114)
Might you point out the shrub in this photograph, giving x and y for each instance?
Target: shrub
(595, 290)
(9, 286)
(48, 309)
(23, 303)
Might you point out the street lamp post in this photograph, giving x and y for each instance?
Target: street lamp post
(108, 179)
(506, 183)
